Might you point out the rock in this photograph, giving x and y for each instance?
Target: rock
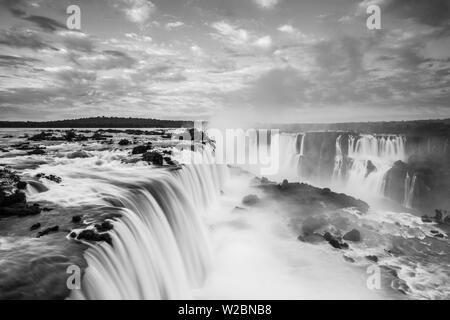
(141, 149)
(250, 199)
(426, 219)
(73, 235)
(310, 238)
(36, 152)
(47, 231)
(370, 167)
(238, 209)
(439, 235)
(91, 235)
(334, 242)
(77, 218)
(153, 157)
(349, 259)
(104, 226)
(312, 223)
(124, 142)
(35, 226)
(21, 185)
(78, 154)
(284, 185)
(438, 216)
(15, 198)
(372, 258)
(51, 177)
(47, 209)
(353, 235)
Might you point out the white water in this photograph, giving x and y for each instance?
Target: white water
(409, 190)
(380, 151)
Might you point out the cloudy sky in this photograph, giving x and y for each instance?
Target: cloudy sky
(267, 60)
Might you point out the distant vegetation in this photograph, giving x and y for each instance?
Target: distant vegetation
(98, 122)
(411, 128)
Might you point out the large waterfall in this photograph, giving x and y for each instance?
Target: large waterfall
(160, 248)
(368, 159)
(355, 164)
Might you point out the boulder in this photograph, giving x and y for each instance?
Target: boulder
(104, 226)
(353, 235)
(35, 226)
(250, 200)
(47, 231)
(91, 235)
(78, 154)
(372, 258)
(153, 157)
(76, 219)
(334, 242)
(124, 142)
(36, 152)
(141, 149)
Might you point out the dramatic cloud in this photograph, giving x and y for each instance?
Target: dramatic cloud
(258, 59)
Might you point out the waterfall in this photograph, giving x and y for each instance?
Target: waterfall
(409, 190)
(160, 245)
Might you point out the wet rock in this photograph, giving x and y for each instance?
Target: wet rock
(21, 185)
(169, 161)
(51, 177)
(310, 238)
(81, 154)
(439, 235)
(141, 149)
(426, 219)
(36, 152)
(153, 157)
(372, 258)
(104, 226)
(47, 231)
(250, 199)
(284, 185)
(47, 209)
(124, 142)
(370, 167)
(35, 226)
(77, 219)
(73, 235)
(349, 259)
(353, 235)
(91, 235)
(334, 242)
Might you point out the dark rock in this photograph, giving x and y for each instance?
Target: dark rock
(47, 209)
(47, 231)
(91, 235)
(284, 185)
(124, 142)
(439, 235)
(141, 149)
(80, 154)
(349, 259)
(334, 242)
(426, 219)
(35, 226)
(73, 235)
(76, 219)
(104, 226)
(250, 199)
(438, 216)
(372, 258)
(36, 152)
(370, 167)
(353, 235)
(153, 157)
(21, 185)
(310, 238)
(51, 177)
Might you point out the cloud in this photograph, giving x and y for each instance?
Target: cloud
(22, 39)
(138, 11)
(263, 42)
(174, 25)
(266, 4)
(105, 60)
(231, 33)
(287, 28)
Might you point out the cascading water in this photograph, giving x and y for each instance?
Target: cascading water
(369, 159)
(409, 190)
